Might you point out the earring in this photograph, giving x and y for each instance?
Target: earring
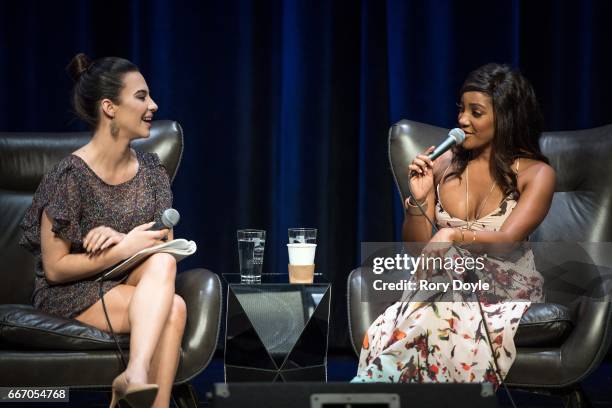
(114, 128)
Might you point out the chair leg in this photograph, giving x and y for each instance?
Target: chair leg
(184, 396)
(576, 398)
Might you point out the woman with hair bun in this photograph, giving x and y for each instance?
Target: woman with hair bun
(495, 188)
(91, 211)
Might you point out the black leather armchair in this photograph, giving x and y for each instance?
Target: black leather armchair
(558, 344)
(37, 349)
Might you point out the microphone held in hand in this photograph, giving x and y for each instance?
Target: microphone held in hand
(169, 219)
(455, 137)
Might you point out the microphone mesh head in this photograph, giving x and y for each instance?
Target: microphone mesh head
(170, 217)
(458, 135)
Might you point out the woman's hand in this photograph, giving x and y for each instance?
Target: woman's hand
(140, 238)
(438, 246)
(100, 238)
(420, 172)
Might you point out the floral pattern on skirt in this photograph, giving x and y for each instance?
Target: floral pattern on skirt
(440, 342)
(446, 338)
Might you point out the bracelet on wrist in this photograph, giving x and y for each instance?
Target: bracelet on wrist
(462, 231)
(413, 209)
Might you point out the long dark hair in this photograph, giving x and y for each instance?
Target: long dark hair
(95, 81)
(518, 123)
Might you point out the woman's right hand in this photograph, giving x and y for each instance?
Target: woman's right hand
(140, 238)
(421, 176)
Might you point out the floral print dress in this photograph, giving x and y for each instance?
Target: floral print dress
(449, 341)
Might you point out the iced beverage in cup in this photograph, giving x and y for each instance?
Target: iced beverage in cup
(301, 262)
(251, 245)
(302, 235)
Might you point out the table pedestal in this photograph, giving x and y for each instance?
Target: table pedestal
(276, 331)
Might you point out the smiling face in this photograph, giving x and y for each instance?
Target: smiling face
(477, 119)
(134, 112)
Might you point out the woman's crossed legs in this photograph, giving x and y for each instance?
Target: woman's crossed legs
(147, 307)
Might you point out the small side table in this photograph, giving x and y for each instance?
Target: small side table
(276, 331)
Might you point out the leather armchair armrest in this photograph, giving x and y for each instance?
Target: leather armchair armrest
(588, 343)
(201, 290)
(361, 314)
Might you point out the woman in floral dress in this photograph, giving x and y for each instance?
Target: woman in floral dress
(495, 188)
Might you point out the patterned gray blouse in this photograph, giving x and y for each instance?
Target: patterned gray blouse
(77, 200)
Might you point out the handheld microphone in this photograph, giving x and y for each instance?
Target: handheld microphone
(169, 219)
(455, 137)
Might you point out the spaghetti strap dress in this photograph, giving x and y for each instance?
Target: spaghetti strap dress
(77, 200)
(452, 341)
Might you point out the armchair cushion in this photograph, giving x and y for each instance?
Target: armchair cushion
(544, 324)
(23, 327)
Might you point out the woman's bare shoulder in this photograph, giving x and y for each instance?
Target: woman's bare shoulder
(530, 166)
(534, 170)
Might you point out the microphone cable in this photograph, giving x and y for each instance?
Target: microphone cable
(110, 326)
(497, 371)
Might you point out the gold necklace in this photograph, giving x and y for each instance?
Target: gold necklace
(467, 199)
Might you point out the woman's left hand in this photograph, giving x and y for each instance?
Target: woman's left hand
(439, 245)
(100, 238)
(441, 241)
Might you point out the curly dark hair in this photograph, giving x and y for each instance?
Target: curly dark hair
(518, 123)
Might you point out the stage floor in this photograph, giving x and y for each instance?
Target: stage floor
(598, 387)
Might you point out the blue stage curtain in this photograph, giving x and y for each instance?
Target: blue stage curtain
(285, 104)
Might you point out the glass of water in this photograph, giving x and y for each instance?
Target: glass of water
(302, 235)
(251, 243)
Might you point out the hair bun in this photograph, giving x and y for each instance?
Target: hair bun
(78, 65)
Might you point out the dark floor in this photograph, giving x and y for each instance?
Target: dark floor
(598, 387)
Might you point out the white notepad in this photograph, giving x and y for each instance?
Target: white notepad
(179, 248)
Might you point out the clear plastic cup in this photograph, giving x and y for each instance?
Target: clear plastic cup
(251, 244)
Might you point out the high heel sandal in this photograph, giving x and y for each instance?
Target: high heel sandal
(137, 395)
